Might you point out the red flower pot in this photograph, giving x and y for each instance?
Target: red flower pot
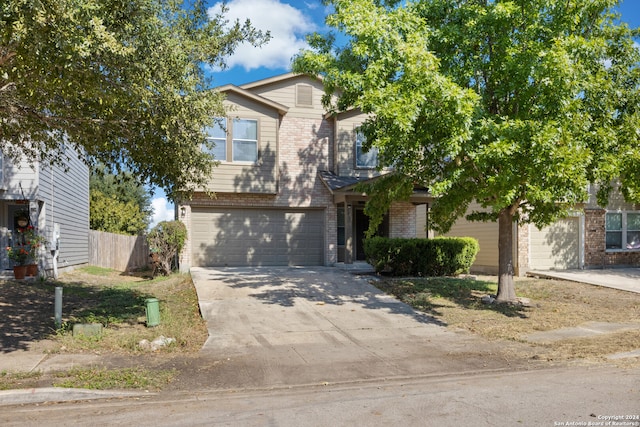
(32, 270)
(19, 271)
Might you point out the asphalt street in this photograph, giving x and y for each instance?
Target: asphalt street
(575, 396)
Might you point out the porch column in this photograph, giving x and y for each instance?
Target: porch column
(348, 232)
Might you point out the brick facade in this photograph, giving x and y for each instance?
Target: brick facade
(595, 253)
(402, 220)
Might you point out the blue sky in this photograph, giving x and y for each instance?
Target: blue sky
(288, 22)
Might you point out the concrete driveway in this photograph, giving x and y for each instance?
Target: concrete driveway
(294, 326)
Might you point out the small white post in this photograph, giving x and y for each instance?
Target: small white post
(58, 307)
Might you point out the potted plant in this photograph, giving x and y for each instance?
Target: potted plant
(33, 242)
(19, 255)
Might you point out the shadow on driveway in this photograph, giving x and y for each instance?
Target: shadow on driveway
(293, 326)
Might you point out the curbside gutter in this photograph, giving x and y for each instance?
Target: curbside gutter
(57, 394)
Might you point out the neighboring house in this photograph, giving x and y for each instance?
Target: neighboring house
(284, 191)
(594, 237)
(55, 200)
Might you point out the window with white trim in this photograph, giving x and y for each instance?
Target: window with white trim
(217, 137)
(365, 160)
(622, 230)
(245, 140)
(233, 142)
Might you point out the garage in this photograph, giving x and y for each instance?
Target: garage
(256, 237)
(556, 247)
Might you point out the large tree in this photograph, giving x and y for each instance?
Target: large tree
(122, 81)
(119, 203)
(516, 104)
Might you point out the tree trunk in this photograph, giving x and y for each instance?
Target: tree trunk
(506, 286)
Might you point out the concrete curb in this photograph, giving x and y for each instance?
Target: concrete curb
(56, 394)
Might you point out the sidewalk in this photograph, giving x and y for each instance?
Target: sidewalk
(624, 279)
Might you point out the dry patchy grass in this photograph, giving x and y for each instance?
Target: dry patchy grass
(555, 304)
(117, 301)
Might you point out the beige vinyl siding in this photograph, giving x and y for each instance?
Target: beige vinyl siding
(285, 92)
(487, 235)
(421, 221)
(346, 126)
(65, 199)
(616, 200)
(261, 177)
(556, 247)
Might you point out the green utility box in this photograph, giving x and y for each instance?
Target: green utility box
(153, 312)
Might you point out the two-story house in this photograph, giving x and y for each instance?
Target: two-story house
(284, 192)
(55, 201)
(593, 237)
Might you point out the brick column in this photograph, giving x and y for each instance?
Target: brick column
(594, 238)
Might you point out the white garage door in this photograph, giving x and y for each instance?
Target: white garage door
(556, 247)
(257, 237)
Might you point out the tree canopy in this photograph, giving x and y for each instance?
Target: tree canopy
(119, 203)
(123, 81)
(516, 104)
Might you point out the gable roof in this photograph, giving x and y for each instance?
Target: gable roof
(282, 109)
(277, 79)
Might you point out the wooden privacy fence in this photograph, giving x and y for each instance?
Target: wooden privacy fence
(118, 251)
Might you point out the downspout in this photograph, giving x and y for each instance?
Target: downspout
(54, 237)
(334, 146)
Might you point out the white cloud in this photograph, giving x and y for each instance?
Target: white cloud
(162, 211)
(287, 25)
(311, 6)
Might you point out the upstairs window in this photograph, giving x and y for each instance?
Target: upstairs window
(235, 143)
(217, 135)
(245, 140)
(622, 230)
(368, 160)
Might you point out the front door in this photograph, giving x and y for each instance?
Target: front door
(8, 233)
(361, 227)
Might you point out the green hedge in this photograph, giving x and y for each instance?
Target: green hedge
(442, 256)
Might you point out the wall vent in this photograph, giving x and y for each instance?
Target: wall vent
(304, 95)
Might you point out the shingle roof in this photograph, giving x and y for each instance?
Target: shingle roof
(335, 182)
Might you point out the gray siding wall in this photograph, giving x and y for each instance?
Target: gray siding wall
(19, 179)
(64, 199)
